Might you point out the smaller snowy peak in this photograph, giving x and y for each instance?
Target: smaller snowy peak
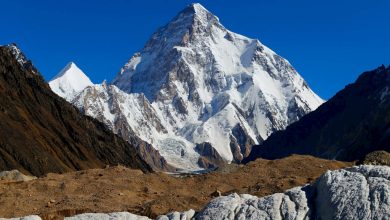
(70, 81)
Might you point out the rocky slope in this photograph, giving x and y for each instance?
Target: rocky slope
(117, 189)
(359, 192)
(43, 133)
(198, 84)
(351, 124)
(119, 110)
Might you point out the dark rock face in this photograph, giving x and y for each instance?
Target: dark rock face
(351, 124)
(41, 132)
(210, 158)
(240, 144)
(150, 155)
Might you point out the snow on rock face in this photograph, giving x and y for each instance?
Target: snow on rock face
(109, 104)
(203, 80)
(69, 82)
(196, 82)
(132, 114)
(18, 54)
(21, 58)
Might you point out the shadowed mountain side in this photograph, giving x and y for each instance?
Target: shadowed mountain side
(41, 132)
(354, 122)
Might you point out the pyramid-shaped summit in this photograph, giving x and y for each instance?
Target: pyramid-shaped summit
(69, 81)
(208, 93)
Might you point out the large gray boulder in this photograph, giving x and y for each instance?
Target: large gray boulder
(355, 193)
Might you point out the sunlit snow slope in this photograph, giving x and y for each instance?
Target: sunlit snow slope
(69, 82)
(200, 93)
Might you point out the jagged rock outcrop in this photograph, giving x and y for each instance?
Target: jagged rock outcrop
(40, 132)
(201, 83)
(353, 123)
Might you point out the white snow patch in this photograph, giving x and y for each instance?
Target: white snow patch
(69, 82)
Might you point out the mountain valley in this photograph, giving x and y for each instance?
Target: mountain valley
(201, 123)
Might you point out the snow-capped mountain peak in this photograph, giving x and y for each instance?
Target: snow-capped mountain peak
(69, 81)
(210, 93)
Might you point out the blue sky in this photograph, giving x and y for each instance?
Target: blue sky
(329, 42)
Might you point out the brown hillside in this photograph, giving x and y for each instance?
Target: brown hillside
(40, 132)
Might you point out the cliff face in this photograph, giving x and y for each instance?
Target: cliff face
(41, 132)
